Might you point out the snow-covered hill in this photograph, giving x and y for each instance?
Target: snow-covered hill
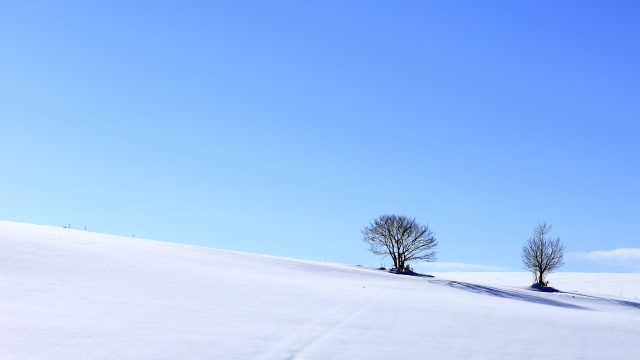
(69, 294)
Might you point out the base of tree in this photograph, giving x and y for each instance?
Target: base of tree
(408, 272)
(538, 287)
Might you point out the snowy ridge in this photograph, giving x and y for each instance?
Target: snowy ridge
(71, 294)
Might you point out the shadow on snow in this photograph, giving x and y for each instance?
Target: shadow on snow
(518, 295)
(507, 294)
(406, 273)
(626, 303)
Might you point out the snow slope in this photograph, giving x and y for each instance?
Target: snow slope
(612, 285)
(69, 294)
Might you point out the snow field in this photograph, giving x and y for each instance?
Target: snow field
(71, 294)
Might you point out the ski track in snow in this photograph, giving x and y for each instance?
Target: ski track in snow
(323, 326)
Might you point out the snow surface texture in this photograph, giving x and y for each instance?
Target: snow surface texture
(69, 294)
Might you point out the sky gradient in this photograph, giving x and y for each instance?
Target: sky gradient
(284, 128)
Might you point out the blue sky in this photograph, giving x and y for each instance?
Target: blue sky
(285, 127)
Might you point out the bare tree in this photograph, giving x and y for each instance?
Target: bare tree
(542, 254)
(400, 238)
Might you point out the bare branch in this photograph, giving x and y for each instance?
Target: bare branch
(400, 238)
(542, 254)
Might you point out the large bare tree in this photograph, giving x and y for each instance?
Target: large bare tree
(542, 254)
(401, 238)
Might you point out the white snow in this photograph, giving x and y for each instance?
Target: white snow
(613, 285)
(69, 294)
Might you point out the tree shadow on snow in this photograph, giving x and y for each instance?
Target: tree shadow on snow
(507, 294)
(408, 273)
(547, 289)
(626, 303)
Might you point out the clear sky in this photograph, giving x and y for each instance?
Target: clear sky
(285, 127)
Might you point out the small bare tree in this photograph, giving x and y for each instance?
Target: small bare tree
(542, 254)
(400, 238)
